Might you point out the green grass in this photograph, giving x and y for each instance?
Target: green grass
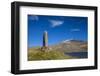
(37, 54)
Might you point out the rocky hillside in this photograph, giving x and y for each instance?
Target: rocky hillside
(71, 46)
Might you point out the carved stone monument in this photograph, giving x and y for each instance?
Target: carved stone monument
(45, 39)
(45, 42)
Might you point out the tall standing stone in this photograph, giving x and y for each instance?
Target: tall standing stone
(45, 47)
(45, 39)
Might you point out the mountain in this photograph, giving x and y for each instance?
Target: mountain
(71, 46)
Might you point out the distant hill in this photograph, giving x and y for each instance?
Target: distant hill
(71, 46)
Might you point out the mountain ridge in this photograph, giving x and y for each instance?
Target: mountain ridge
(71, 46)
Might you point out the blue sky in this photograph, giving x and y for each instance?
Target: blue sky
(59, 28)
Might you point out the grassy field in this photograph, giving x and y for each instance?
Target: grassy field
(37, 54)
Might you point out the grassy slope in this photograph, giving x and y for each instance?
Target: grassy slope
(37, 54)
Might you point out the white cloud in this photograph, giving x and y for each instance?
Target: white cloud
(55, 23)
(34, 17)
(75, 30)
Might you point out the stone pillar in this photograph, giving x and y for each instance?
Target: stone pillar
(45, 39)
(45, 47)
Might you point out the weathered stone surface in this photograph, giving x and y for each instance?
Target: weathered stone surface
(45, 42)
(45, 39)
